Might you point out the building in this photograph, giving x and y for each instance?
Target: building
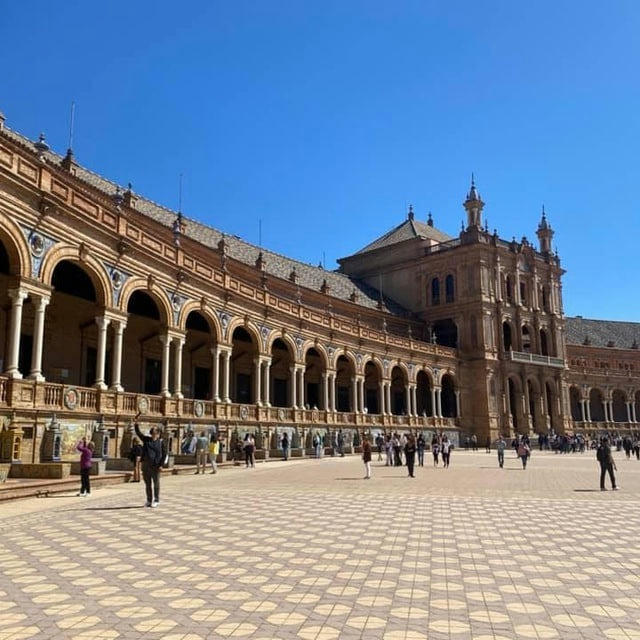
(112, 305)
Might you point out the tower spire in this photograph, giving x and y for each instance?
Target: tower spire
(473, 204)
(544, 233)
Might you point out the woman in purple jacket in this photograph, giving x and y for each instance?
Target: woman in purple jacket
(86, 453)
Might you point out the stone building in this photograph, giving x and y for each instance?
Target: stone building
(112, 305)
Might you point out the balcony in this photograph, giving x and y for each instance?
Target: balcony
(534, 358)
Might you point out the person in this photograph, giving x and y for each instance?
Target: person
(446, 451)
(388, 445)
(317, 445)
(488, 445)
(523, 451)
(474, 442)
(435, 449)
(191, 443)
(285, 446)
(202, 446)
(501, 445)
(379, 443)
(214, 450)
(396, 450)
(627, 445)
(636, 447)
(607, 465)
(135, 455)
(420, 447)
(410, 454)
(153, 455)
(249, 446)
(366, 457)
(340, 439)
(86, 453)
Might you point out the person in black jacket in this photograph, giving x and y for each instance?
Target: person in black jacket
(410, 453)
(607, 465)
(153, 455)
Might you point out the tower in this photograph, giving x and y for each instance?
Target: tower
(474, 205)
(544, 233)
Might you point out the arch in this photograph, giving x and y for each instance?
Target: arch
(282, 351)
(198, 354)
(553, 410)
(372, 380)
(446, 332)
(527, 338)
(287, 339)
(322, 352)
(315, 366)
(435, 291)
(250, 327)
(449, 288)
(544, 343)
(345, 372)
(87, 263)
(349, 355)
(575, 402)
(141, 284)
(16, 246)
(596, 405)
(448, 396)
(507, 335)
(245, 347)
(399, 382)
(514, 396)
(428, 372)
(211, 317)
(535, 398)
(424, 385)
(619, 405)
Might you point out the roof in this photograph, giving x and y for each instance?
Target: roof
(602, 332)
(311, 277)
(410, 228)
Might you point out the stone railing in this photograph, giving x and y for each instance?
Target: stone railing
(70, 400)
(534, 358)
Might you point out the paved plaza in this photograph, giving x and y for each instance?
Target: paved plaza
(310, 550)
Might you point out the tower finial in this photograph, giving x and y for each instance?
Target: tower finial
(430, 220)
(410, 215)
(473, 204)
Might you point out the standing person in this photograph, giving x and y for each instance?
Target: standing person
(153, 455)
(474, 442)
(366, 457)
(446, 451)
(193, 441)
(607, 465)
(523, 452)
(435, 449)
(285, 446)
(86, 453)
(379, 443)
(317, 444)
(214, 450)
(501, 445)
(396, 450)
(410, 454)
(636, 447)
(420, 447)
(488, 445)
(202, 446)
(341, 443)
(135, 455)
(403, 444)
(249, 447)
(388, 445)
(627, 445)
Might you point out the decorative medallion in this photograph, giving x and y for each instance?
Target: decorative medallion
(39, 245)
(314, 415)
(281, 414)
(385, 364)
(143, 404)
(244, 412)
(198, 408)
(225, 319)
(264, 334)
(359, 359)
(177, 302)
(36, 244)
(299, 343)
(117, 278)
(71, 398)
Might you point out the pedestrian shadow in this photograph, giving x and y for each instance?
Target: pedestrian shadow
(587, 490)
(341, 479)
(133, 506)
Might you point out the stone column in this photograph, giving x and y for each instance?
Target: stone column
(226, 374)
(301, 389)
(587, 404)
(628, 411)
(434, 406)
(166, 355)
(381, 403)
(361, 395)
(215, 382)
(116, 358)
(583, 412)
(15, 326)
(388, 398)
(177, 367)
(103, 325)
(354, 394)
(332, 391)
(266, 395)
(457, 392)
(294, 388)
(414, 399)
(439, 402)
(257, 381)
(325, 390)
(633, 411)
(41, 303)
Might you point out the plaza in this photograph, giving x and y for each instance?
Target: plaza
(308, 549)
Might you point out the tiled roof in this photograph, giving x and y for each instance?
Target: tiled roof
(601, 333)
(410, 228)
(340, 285)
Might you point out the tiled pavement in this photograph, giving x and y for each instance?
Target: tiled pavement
(310, 550)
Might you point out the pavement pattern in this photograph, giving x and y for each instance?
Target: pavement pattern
(311, 550)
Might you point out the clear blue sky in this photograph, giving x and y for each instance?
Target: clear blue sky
(326, 119)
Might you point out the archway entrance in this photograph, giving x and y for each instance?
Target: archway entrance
(313, 378)
(596, 405)
(243, 355)
(197, 355)
(619, 399)
(345, 373)
(423, 394)
(515, 404)
(449, 407)
(281, 363)
(398, 391)
(576, 409)
(372, 379)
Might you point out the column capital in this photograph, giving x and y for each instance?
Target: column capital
(180, 340)
(165, 339)
(17, 295)
(102, 322)
(41, 300)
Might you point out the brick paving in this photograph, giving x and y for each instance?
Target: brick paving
(310, 550)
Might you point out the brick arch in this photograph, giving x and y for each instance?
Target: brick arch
(348, 354)
(93, 268)
(309, 344)
(16, 246)
(248, 326)
(287, 339)
(142, 284)
(377, 364)
(429, 372)
(210, 317)
(403, 366)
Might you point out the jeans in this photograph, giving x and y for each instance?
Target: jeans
(85, 484)
(604, 469)
(285, 453)
(151, 476)
(501, 458)
(524, 461)
(201, 459)
(367, 468)
(411, 458)
(421, 457)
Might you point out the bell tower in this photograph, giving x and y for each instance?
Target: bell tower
(544, 233)
(474, 205)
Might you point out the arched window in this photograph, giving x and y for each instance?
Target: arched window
(435, 291)
(526, 339)
(523, 294)
(509, 289)
(506, 336)
(449, 288)
(446, 332)
(545, 299)
(544, 343)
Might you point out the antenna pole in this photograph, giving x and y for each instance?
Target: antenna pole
(260, 232)
(71, 121)
(180, 195)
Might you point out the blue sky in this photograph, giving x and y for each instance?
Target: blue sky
(326, 119)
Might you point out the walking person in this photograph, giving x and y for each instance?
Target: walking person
(214, 450)
(410, 454)
(388, 447)
(284, 443)
(202, 449)
(86, 453)
(446, 452)
(379, 445)
(396, 450)
(523, 451)
(366, 457)
(249, 446)
(153, 455)
(488, 445)
(341, 443)
(317, 445)
(474, 442)
(607, 465)
(435, 450)
(501, 445)
(420, 447)
(135, 455)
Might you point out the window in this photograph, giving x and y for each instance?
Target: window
(435, 291)
(449, 288)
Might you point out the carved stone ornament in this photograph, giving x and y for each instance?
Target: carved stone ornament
(244, 412)
(143, 404)
(281, 414)
(71, 398)
(36, 244)
(198, 408)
